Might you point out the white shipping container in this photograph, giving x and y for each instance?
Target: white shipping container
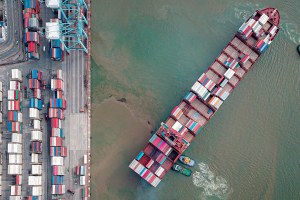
(263, 19)
(34, 113)
(35, 158)
(36, 136)
(11, 95)
(82, 180)
(1, 86)
(16, 138)
(16, 74)
(15, 197)
(15, 158)
(0, 180)
(15, 190)
(15, 169)
(14, 148)
(85, 159)
(37, 191)
(36, 124)
(14, 85)
(229, 73)
(1, 96)
(0, 138)
(36, 169)
(83, 170)
(34, 180)
(59, 74)
(0, 170)
(57, 160)
(1, 119)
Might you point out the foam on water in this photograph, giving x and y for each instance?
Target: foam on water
(212, 185)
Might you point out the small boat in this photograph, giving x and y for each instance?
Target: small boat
(181, 170)
(298, 49)
(187, 160)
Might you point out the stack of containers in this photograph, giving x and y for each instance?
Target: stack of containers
(14, 148)
(246, 29)
(243, 58)
(56, 50)
(35, 106)
(206, 82)
(31, 26)
(200, 90)
(57, 150)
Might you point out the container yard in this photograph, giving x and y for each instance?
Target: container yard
(42, 146)
(206, 96)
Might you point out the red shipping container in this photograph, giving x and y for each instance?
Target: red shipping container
(18, 180)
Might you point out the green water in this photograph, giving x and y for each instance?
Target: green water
(151, 52)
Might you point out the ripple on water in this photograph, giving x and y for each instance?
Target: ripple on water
(212, 185)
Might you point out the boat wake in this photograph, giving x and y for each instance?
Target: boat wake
(212, 185)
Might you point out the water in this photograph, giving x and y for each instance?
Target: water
(151, 52)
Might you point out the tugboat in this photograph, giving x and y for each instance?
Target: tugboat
(187, 161)
(181, 170)
(298, 49)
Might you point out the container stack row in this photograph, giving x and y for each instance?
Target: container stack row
(14, 126)
(35, 177)
(31, 21)
(57, 149)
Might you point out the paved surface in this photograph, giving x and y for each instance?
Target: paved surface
(10, 51)
(76, 125)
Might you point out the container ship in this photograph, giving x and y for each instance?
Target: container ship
(206, 96)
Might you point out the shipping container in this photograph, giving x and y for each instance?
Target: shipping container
(58, 189)
(36, 169)
(56, 123)
(36, 147)
(56, 160)
(57, 103)
(58, 151)
(15, 127)
(34, 113)
(36, 136)
(16, 75)
(59, 74)
(15, 105)
(14, 148)
(15, 159)
(14, 116)
(15, 198)
(36, 74)
(55, 141)
(34, 84)
(14, 169)
(58, 170)
(85, 159)
(56, 113)
(1, 86)
(83, 170)
(36, 124)
(16, 138)
(37, 94)
(57, 84)
(14, 85)
(57, 180)
(82, 180)
(15, 190)
(57, 132)
(18, 180)
(14, 95)
(35, 158)
(37, 192)
(34, 180)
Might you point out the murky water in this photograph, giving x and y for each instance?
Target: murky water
(151, 52)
